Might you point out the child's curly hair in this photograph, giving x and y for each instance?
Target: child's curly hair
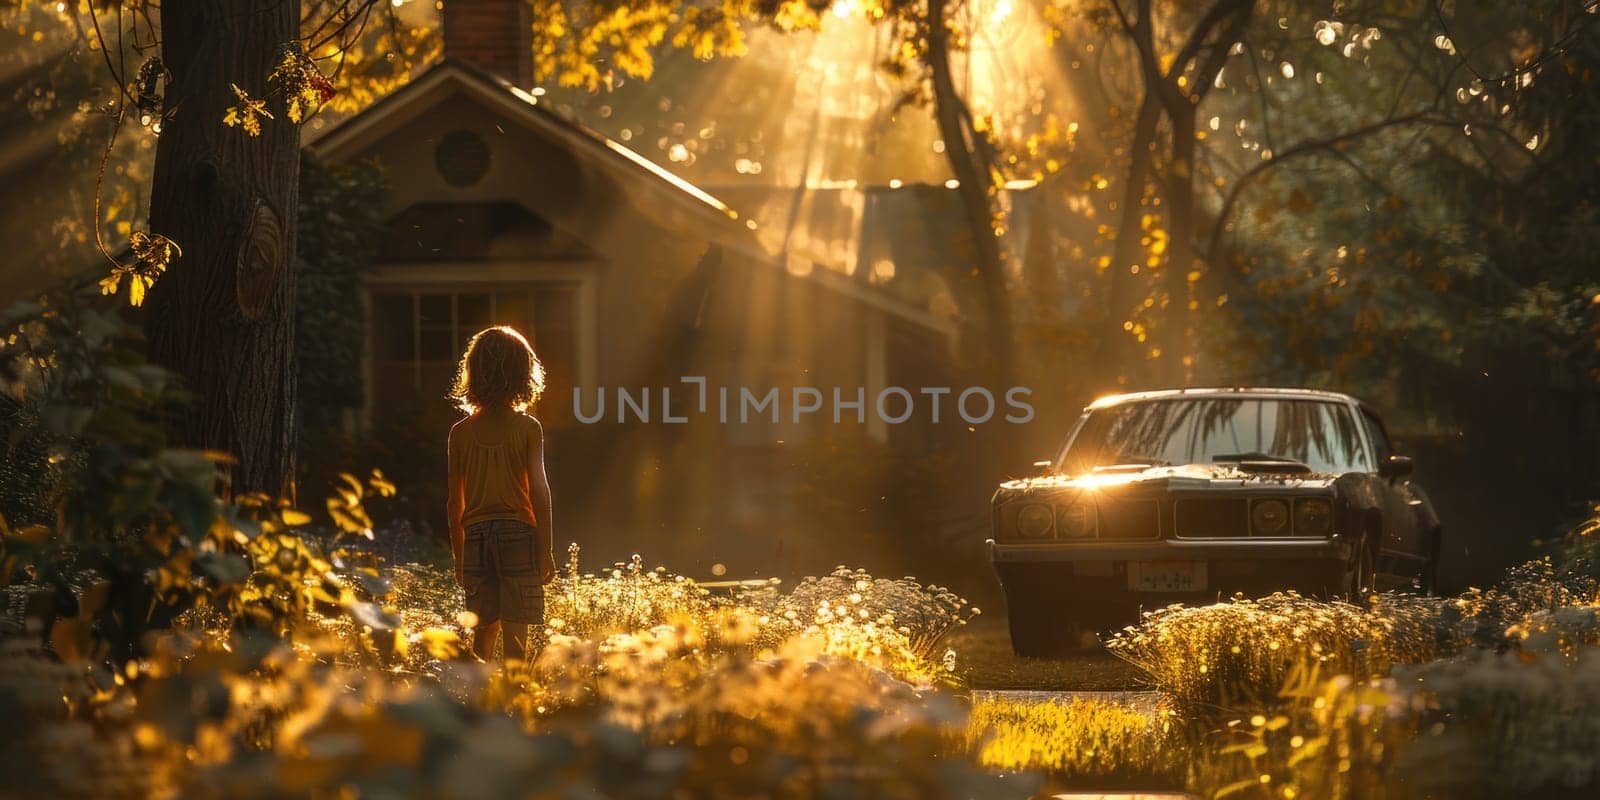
(498, 369)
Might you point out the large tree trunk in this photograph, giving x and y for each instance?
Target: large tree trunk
(1118, 355)
(1184, 226)
(1164, 96)
(1182, 321)
(972, 166)
(222, 315)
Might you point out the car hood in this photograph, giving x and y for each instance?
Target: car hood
(1220, 477)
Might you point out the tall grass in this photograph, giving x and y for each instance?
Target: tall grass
(1080, 740)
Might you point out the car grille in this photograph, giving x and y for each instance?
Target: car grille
(1213, 518)
(1129, 519)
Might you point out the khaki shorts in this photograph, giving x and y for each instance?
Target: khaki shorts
(500, 568)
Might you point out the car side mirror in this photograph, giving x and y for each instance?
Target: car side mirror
(1396, 467)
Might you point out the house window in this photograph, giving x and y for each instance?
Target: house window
(418, 334)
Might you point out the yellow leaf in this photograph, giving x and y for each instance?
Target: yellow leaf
(293, 517)
(353, 482)
(381, 485)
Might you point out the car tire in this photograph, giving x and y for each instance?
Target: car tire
(1428, 580)
(1362, 573)
(1036, 632)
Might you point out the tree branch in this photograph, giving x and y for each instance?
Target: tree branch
(1330, 144)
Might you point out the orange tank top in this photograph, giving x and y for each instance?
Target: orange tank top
(495, 472)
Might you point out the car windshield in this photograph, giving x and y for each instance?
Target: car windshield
(1200, 430)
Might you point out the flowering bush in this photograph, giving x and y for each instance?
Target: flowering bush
(1241, 652)
(625, 598)
(1497, 685)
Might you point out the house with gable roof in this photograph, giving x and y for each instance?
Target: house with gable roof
(625, 276)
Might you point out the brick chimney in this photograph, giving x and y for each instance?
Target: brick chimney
(495, 35)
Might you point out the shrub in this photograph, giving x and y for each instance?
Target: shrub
(1328, 739)
(1484, 724)
(1507, 724)
(1240, 653)
(104, 524)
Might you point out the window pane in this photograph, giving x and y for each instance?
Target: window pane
(392, 319)
(434, 309)
(472, 315)
(437, 344)
(436, 328)
(1379, 439)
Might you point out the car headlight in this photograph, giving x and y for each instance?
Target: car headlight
(1075, 521)
(1034, 521)
(1313, 516)
(1269, 517)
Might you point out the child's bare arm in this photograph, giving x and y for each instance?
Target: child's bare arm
(539, 493)
(455, 504)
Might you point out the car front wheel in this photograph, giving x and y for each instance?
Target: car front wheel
(1363, 576)
(1428, 581)
(1038, 630)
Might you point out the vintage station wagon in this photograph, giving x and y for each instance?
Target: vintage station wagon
(1190, 494)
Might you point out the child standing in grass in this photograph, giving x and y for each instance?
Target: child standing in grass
(499, 497)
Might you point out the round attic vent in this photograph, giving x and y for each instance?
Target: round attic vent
(462, 158)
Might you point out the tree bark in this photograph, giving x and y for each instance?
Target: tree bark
(972, 166)
(222, 315)
(1116, 355)
(1183, 227)
(1165, 97)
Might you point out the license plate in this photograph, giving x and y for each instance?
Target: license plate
(1167, 576)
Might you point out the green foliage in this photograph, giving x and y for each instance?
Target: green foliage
(338, 231)
(75, 387)
(116, 535)
(1460, 235)
(110, 501)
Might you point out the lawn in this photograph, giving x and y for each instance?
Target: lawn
(985, 661)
